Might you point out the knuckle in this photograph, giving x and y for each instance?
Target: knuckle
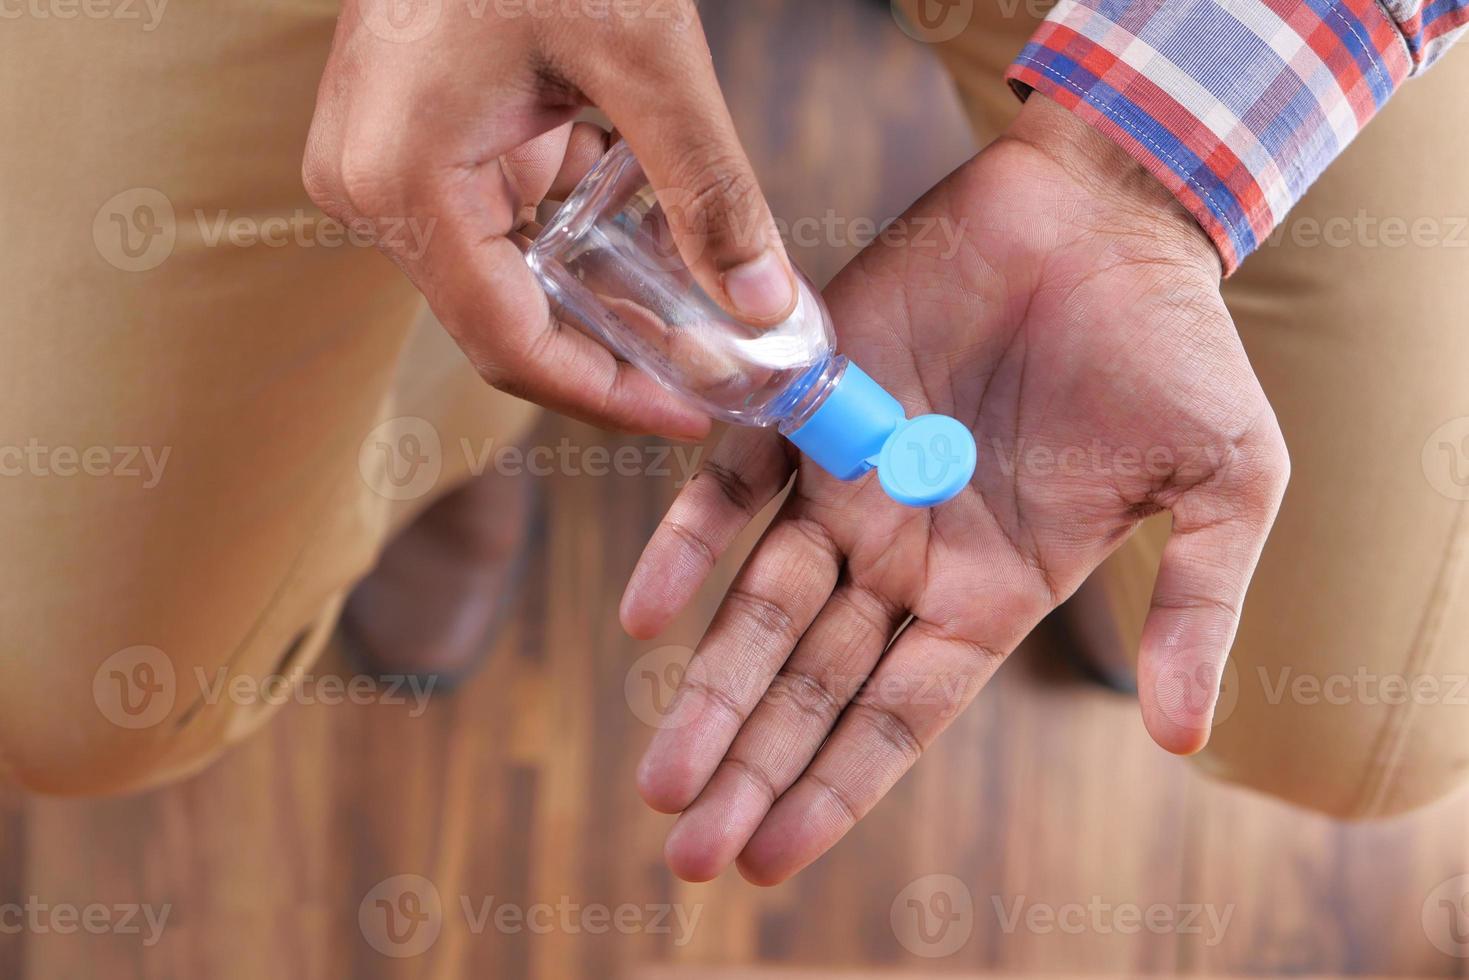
(815, 534)
(319, 178)
(1269, 470)
(651, 54)
(510, 366)
(612, 395)
(660, 39)
(494, 374)
(755, 774)
(767, 615)
(875, 611)
(366, 182)
(712, 694)
(694, 542)
(1279, 463)
(806, 693)
(488, 361)
(839, 796)
(720, 197)
(889, 726)
(349, 177)
(730, 484)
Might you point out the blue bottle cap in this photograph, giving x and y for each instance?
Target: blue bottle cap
(921, 463)
(927, 461)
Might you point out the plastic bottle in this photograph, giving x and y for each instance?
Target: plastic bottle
(609, 262)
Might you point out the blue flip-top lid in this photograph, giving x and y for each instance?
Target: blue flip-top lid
(920, 462)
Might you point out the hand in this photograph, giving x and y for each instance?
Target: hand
(1080, 331)
(457, 122)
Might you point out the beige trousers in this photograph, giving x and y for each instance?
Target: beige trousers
(218, 408)
(194, 377)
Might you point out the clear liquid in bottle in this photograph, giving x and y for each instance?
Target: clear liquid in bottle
(610, 266)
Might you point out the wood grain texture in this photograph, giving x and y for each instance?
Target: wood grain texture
(517, 791)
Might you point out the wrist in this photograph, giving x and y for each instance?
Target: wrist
(1135, 201)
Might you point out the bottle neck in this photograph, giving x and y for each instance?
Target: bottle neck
(815, 395)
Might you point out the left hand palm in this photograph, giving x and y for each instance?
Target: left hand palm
(1104, 382)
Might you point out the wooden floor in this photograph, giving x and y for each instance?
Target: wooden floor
(1045, 798)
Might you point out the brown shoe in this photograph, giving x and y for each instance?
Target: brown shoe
(442, 590)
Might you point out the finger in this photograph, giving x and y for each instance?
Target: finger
(525, 236)
(477, 282)
(587, 144)
(741, 476)
(538, 180)
(773, 600)
(1217, 538)
(921, 684)
(784, 732)
(531, 168)
(671, 112)
(458, 252)
(486, 297)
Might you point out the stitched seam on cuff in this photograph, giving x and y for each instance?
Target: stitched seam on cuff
(1397, 29)
(1177, 167)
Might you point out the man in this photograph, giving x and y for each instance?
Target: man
(1083, 312)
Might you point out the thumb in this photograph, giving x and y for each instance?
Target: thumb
(1218, 535)
(681, 132)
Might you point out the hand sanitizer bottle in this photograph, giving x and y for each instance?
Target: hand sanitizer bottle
(609, 264)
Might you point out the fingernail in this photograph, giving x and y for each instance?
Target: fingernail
(760, 289)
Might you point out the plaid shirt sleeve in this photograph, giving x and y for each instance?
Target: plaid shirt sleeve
(1236, 105)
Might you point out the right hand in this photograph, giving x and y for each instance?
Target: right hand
(460, 119)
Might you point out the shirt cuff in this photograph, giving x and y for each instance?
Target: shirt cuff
(1235, 105)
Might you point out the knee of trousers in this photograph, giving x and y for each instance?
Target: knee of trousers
(69, 749)
(1350, 742)
(133, 719)
(124, 730)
